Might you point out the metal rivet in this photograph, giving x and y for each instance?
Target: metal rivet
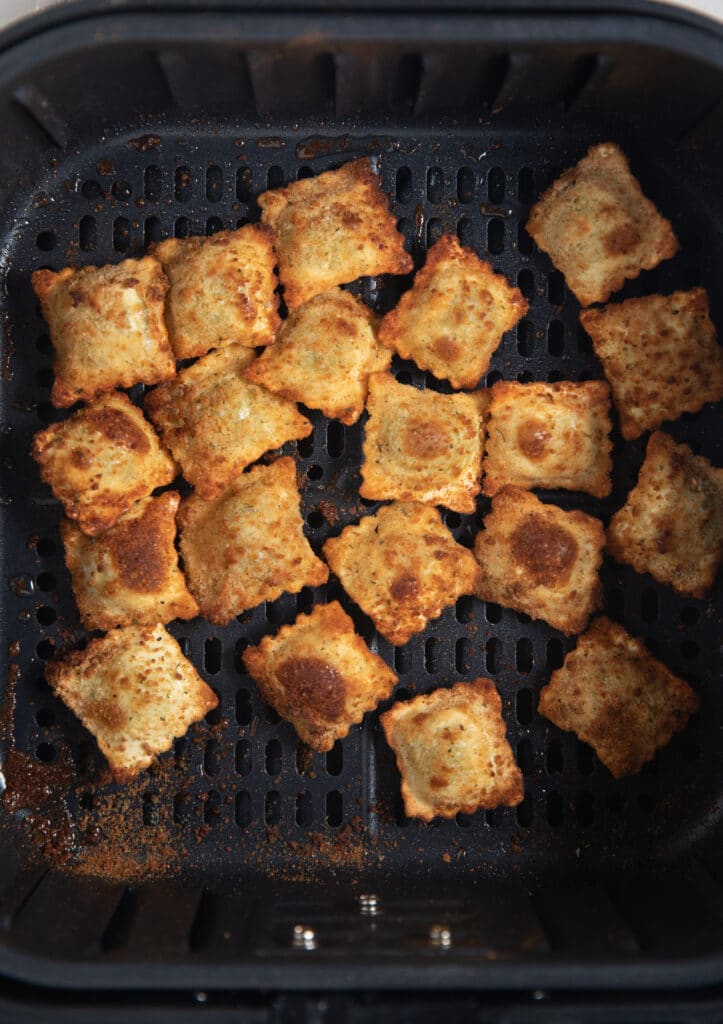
(440, 936)
(200, 997)
(369, 903)
(538, 994)
(304, 938)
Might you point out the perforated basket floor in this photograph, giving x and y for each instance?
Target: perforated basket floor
(240, 796)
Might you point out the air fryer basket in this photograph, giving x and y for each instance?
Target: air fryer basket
(122, 128)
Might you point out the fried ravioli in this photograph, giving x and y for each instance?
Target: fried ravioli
(540, 560)
(615, 696)
(331, 229)
(102, 460)
(452, 752)
(452, 319)
(134, 690)
(107, 327)
(319, 675)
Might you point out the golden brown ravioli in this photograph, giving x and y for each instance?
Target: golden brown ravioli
(217, 423)
(135, 692)
(102, 460)
(319, 675)
(332, 229)
(248, 545)
(402, 567)
(323, 356)
(423, 446)
(660, 355)
(597, 226)
(452, 319)
(672, 522)
(452, 752)
(129, 574)
(549, 435)
(223, 290)
(615, 696)
(107, 327)
(540, 560)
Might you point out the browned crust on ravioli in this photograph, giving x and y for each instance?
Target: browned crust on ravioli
(599, 242)
(99, 343)
(454, 316)
(660, 355)
(549, 435)
(541, 560)
(101, 460)
(671, 524)
(615, 696)
(319, 675)
(222, 290)
(402, 567)
(332, 229)
(405, 726)
(129, 574)
(134, 690)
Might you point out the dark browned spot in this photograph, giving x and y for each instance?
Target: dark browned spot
(438, 782)
(405, 587)
(621, 240)
(82, 458)
(141, 559)
(446, 348)
(532, 438)
(119, 429)
(425, 440)
(316, 687)
(106, 712)
(547, 551)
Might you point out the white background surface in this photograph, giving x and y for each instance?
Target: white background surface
(12, 9)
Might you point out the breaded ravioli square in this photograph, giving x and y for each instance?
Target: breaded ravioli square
(453, 318)
(217, 423)
(248, 545)
(332, 229)
(671, 524)
(597, 226)
(323, 356)
(101, 460)
(402, 567)
(549, 435)
(452, 752)
(134, 690)
(540, 560)
(660, 354)
(222, 290)
(107, 327)
(129, 574)
(423, 446)
(615, 696)
(319, 675)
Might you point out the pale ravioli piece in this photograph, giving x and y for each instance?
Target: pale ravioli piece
(129, 574)
(549, 435)
(323, 356)
(671, 524)
(248, 545)
(332, 229)
(101, 460)
(134, 690)
(402, 567)
(452, 319)
(222, 290)
(452, 752)
(107, 327)
(319, 675)
(540, 560)
(660, 354)
(618, 698)
(423, 446)
(217, 423)
(597, 226)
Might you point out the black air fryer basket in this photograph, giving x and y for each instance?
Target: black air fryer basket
(125, 124)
